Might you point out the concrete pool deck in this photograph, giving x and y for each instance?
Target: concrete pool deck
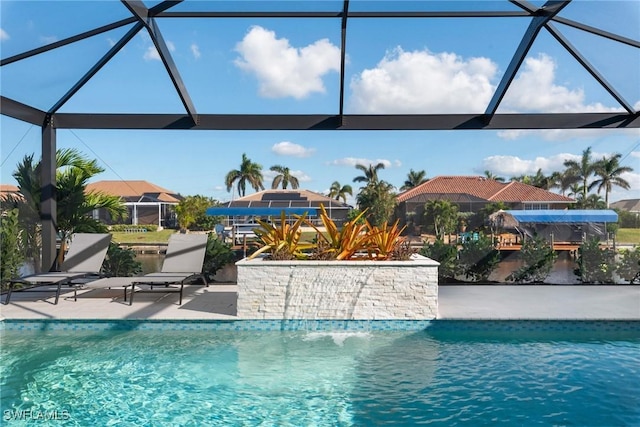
(218, 302)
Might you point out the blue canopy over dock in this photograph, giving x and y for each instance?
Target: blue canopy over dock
(548, 216)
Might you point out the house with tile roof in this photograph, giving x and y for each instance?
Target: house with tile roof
(472, 193)
(629, 205)
(9, 192)
(146, 203)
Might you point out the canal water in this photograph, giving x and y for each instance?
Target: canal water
(561, 274)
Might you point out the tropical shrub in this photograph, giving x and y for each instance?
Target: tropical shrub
(628, 267)
(445, 254)
(538, 257)
(120, 262)
(282, 240)
(478, 258)
(10, 246)
(341, 243)
(218, 255)
(595, 264)
(385, 241)
(356, 239)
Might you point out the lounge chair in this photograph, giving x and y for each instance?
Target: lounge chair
(182, 265)
(84, 259)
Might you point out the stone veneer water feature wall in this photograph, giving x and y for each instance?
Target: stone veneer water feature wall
(346, 290)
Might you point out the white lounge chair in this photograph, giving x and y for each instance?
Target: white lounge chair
(182, 265)
(84, 259)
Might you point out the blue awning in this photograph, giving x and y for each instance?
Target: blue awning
(563, 216)
(224, 211)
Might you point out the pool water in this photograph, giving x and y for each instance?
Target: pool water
(439, 376)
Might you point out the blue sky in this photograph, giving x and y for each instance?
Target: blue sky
(292, 66)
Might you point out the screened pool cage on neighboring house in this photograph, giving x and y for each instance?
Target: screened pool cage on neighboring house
(546, 19)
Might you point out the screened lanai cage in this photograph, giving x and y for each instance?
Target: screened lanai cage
(175, 92)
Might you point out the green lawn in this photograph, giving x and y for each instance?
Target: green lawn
(628, 235)
(625, 235)
(147, 237)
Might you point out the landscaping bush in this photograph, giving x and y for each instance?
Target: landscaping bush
(218, 255)
(120, 262)
(11, 255)
(445, 254)
(538, 257)
(478, 258)
(629, 266)
(595, 264)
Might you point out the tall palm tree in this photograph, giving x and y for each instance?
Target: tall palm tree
(541, 180)
(582, 170)
(490, 175)
(414, 179)
(249, 172)
(284, 177)
(370, 173)
(563, 181)
(338, 191)
(608, 171)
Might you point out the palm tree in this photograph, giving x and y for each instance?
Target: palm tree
(541, 180)
(379, 200)
(489, 175)
(443, 215)
(249, 171)
(74, 204)
(370, 173)
(340, 192)
(608, 171)
(284, 177)
(563, 181)
(414, 179)
(582, 170)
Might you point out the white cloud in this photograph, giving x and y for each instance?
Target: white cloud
(353, 161)
(195, 50)
(534, 90)
(111, 42)
(286, 148)
(283, 70)
(424, 82)
(152, 54)
(48, 39)
(509, 166)
(4, 35)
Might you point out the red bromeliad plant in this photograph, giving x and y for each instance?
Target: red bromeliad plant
(282, 240)
(341, 243)
(356, 239)
(385, 240)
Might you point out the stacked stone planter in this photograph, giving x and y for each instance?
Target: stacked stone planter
(343, 290)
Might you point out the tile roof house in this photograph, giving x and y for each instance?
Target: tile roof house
(472, 193)
(629, 205)
(147, 203)
(9, 192)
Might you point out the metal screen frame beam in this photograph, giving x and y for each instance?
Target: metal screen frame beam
(541, 17)
(351, 122)
(20, 111)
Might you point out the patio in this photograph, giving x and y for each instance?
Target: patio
(218, 302)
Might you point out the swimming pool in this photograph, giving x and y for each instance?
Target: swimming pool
(449, 372)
